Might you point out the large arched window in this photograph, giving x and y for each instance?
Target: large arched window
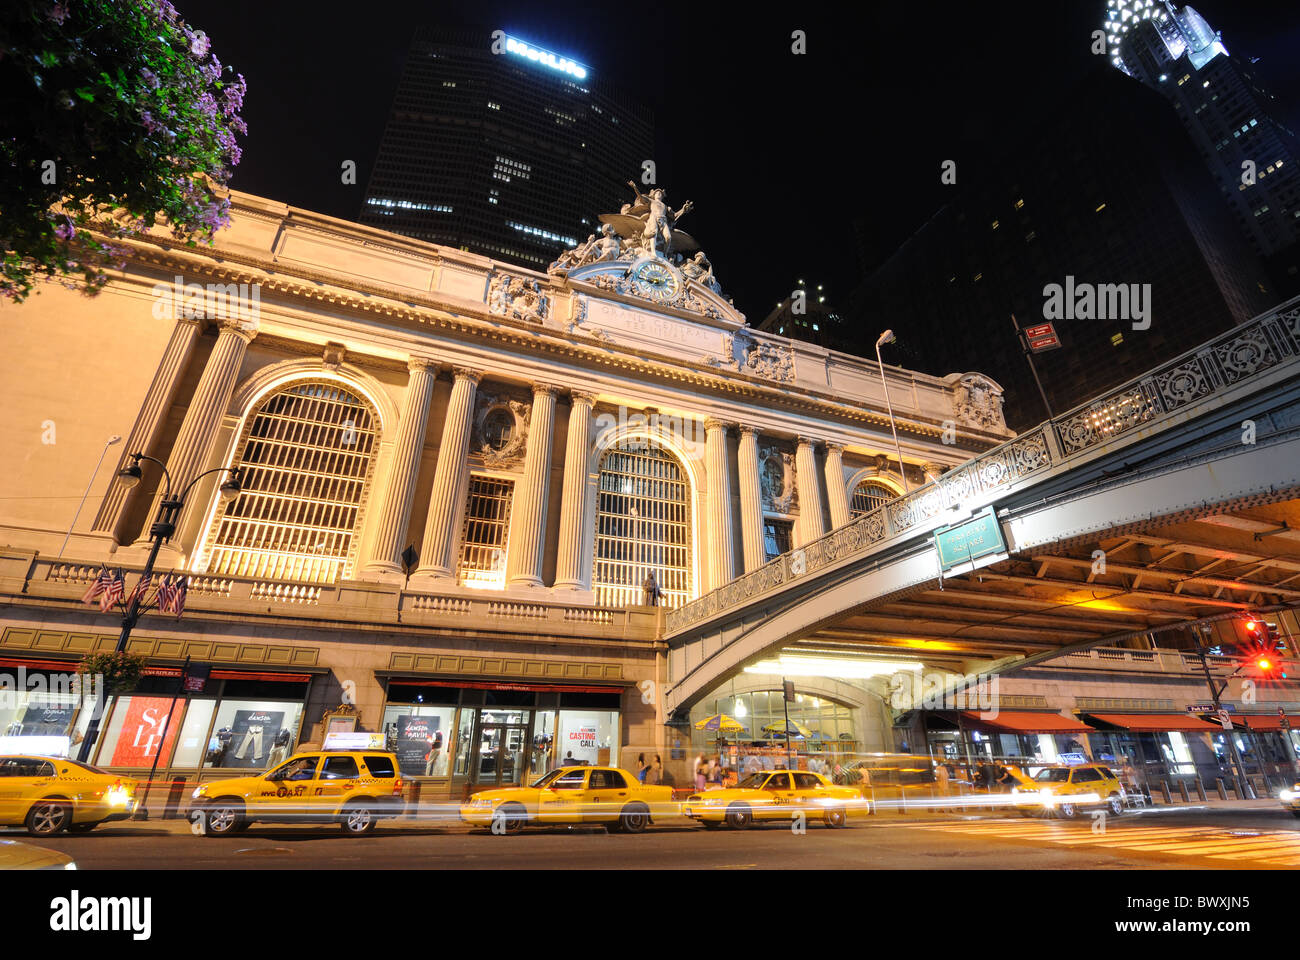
(307, 456)
(868, 495)
(643, 525)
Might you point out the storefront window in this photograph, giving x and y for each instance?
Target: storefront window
(587, 737)
(543, 742)
(464, 736)
(421, 736)
(198, 717)
(253, 734)
(136, 731)
(37, 710)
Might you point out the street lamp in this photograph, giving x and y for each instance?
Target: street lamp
(888, 337)
(161, 531)
(90, 483)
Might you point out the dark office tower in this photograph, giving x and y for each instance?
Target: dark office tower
(805, 315)
(1108, 191)
(1233, 120)
(509, 154)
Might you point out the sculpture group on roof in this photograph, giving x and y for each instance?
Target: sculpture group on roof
(645, 227)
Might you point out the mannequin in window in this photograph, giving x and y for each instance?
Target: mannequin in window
(434, 758)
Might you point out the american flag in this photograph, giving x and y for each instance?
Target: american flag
(141, 588)
(113, 591)
(97, 586)
(171, 594)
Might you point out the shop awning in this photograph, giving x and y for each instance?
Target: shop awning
(1264, 721)
(1024, 721)
(1155, 722)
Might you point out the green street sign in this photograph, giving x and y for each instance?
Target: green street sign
(974, 538)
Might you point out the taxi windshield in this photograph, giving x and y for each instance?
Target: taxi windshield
(546, 779)
(1053, 775)
(753, 782)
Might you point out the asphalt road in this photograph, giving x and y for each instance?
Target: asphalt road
(1162, 839)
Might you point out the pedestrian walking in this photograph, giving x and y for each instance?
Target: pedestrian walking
(655, 772)
(701, 772)
(641, 767)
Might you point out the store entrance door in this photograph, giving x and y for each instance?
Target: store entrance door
(502, 750)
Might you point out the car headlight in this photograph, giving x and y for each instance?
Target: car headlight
(117, 797)
(1287, 795)
(199, 792)
(70, 865)
(1046, 791)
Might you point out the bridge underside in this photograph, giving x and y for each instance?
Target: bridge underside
(1072, 596)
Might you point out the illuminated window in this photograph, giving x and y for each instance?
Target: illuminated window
(869, 495)
(486, 533)
(307, 456)
(643, 525)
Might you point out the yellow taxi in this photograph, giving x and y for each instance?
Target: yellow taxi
(1063, 790)
(51, 794)
(1291, 800)
(569, 795)
(352, 788)
(776, 795)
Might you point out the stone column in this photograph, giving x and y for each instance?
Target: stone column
(193, 447)
(572, 572)
(835, 491)
(722, 557)
(175, 358)
(812, 524)
(528, 513)
(438, 555)
(751, 500)
(393, 518)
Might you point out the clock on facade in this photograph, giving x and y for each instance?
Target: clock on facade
(656, 280)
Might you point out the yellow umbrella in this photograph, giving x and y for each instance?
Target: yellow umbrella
(720, 721)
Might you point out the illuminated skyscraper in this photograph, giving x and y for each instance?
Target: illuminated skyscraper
(1233, 120)
(510, 154)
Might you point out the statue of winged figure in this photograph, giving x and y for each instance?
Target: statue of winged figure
(649, 220)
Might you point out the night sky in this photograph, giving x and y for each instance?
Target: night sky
(813, 166)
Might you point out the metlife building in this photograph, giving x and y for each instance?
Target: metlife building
(500, 147)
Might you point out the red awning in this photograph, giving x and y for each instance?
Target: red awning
(1263, 721)
(39, 664)
(1025, 721)
(1157, 722)
(253, 675)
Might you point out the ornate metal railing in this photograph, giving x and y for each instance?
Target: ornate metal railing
(1268, 341)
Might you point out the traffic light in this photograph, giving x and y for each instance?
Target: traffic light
(1264, 650)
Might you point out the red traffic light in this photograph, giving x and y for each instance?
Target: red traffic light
(1264, 664)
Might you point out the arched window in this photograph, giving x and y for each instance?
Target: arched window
(868, 495)
(643, 525)
(307, 456)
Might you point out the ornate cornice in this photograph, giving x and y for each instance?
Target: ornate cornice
(472, 320)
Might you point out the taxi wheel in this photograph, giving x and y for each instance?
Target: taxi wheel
(224, 817)
(82, 827)
(1116, 804)
(358, 819)
(511, 818)
(634, 818)
(837, 818)
(1067, 811)
(739, 816)
(49, 817)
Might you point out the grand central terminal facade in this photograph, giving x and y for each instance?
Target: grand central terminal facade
(461, 483)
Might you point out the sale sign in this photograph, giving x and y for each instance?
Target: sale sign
(142, 732)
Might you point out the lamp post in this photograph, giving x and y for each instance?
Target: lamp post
(161, 531)
(90, 483)
(888, 337)
(1215, 692)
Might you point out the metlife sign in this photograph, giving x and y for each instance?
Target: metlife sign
(547, 59)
